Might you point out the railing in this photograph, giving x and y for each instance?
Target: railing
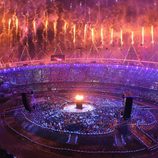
(79, 60)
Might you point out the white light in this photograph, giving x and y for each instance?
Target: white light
(79, 97)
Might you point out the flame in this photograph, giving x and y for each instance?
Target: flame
(79, 97)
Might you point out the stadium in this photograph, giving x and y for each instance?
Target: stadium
(79, 79)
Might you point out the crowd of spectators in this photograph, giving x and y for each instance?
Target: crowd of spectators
(102, 120)
(116, 79)
(53, 116)
(133, 76)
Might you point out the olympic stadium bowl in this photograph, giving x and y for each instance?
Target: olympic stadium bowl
(54, 125)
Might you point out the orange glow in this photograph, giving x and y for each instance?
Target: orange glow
(85, 34)
(34, 26)
(143, 34)
(17, 25)
(46, 24)
(121, 37)
(112, 36)
(92, 35)
(9, 25)
(3, 23)
(77, 30)
(102, 35)
(152, 34)
(74, 34)
(65, 28)
(55, 28)
(132, 37)
(79, 97)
